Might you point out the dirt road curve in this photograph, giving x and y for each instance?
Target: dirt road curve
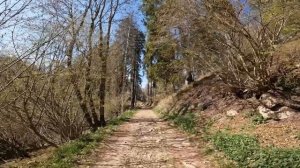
(148, 142)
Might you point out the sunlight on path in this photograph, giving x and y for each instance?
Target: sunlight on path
(148, 142)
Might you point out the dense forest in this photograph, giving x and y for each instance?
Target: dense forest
(69, 66)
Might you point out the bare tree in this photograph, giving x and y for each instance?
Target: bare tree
(103, 51)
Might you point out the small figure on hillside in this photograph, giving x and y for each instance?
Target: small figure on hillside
(189, 78)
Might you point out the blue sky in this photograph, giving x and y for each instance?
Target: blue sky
(135, 9)
(131, 9)
(139, 18)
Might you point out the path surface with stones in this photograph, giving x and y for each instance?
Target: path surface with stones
(149, 142)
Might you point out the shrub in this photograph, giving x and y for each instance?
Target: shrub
(66, 155)
(258, 119)
(255, 117)
(237, 147)
(298, 136)
(246, 151)
(187, 121)
(277, 158)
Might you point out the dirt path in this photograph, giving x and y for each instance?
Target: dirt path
(147, 141)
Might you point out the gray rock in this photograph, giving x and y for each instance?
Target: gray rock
(265, 112)
(200, 106)
(231, 113)
(268, 100)
(192, 107)
(285, 112)
(282, 113)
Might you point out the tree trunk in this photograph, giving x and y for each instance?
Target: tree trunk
(102, 92)
(88, 86)
(103, 57)
(150, 98)
(133, 93)
(134, 76)
(83, 106)
(81, 100)
(124, 69)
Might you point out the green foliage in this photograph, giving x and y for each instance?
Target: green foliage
(298, 136)
(277, 158)
(277, 10)
(258, 119)
(66, 155)
(163, 59)
(122, 118)
(237, 147)
(187, 122)
(255, 117)
(246, 151)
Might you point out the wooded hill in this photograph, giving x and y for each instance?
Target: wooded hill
(80, 65)
(69, 66)
(244, 56)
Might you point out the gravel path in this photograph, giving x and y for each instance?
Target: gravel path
(148, 142)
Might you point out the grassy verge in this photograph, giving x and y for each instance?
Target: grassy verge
(189, 123)
(186, 122)
(246, 152)
(66, 155)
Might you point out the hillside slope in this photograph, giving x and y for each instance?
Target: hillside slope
(230, 124)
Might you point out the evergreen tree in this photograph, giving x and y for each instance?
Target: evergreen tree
(131, 41)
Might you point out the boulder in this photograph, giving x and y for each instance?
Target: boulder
(192, 107)
(204, 105)
(199, 106)
(282, 113)
(285, 112)
(265, 112)
(268, 101)
(231, 113)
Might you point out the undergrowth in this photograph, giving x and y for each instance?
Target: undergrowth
(66, 155)
(246, 152)
(256, 118)
(187, 122)
(298, 136)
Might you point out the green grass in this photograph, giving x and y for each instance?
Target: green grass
(186, 122)
(298, 136)
(256, 118)
(66, 155)
(246, 152)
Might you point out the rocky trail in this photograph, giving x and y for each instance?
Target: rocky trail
(147, 141)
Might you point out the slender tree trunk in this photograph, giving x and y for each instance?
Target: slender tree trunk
(102, 85)
(124, 69)
(88, 88)
(134, 76)
(81, 100)
(150, 87)
(89, 94)
(133, 92)
(123, 89)
(103, 57)
(82, 104)
(102, 92)
(74, 78)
